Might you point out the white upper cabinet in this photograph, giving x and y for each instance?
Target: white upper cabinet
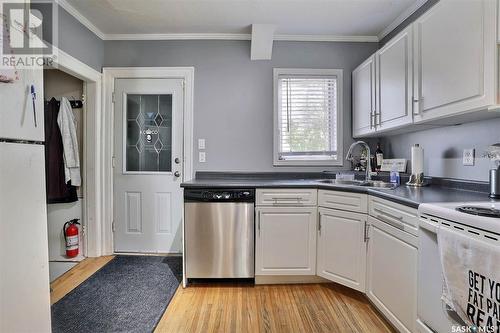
(363, 98)
(442, 69)
(454, 59)
(394, 82)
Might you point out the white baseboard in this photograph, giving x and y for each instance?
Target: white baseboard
(289, 279)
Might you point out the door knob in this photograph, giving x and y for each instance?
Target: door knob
(177, 160)
(177, 174)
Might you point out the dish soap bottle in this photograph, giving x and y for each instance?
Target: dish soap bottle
(379, 156)
(394, 177)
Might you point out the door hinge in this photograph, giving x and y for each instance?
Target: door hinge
(113, 226)
(84, 230)
(113, 97)
(183, 84)
(113, 162)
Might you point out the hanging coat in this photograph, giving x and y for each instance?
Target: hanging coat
(58, 190)
(67, 125)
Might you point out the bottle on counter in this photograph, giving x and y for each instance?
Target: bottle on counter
(394, 176)
(379, 157)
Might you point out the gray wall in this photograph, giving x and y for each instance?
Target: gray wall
(233, 96)
(78, 41)
(443, 148)
(73, 37)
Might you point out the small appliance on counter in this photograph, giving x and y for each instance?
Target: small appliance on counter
(493, 153)
(417, 167)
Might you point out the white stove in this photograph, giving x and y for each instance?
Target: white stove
(481, 215)
(475, 219)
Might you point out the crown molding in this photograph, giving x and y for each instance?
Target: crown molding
(185, 36)
(222, 36)
(400, 19)
(82, 19)
(233, 36)
(325, 38)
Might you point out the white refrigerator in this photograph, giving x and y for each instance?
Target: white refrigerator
(24, 262)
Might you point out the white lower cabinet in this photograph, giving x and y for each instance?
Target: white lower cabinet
(392, 274)
(342, 247)
(285, 241)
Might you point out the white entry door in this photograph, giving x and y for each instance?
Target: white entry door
(148, 141)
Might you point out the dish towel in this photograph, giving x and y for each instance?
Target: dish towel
(471, 272)
(67, 126)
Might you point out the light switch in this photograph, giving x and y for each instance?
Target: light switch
(202, 157)
(201, 143)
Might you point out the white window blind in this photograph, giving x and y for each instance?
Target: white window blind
(307, 117)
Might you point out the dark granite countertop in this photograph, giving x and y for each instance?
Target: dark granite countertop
(403, 194)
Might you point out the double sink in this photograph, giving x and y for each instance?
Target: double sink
(364, 183)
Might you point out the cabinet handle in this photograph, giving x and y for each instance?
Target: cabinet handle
(378, 114)
(388, 214)
(367, 228)
(398, 225)
(416, 108)
(319, 223)
(258, 223)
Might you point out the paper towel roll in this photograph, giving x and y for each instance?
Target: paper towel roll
(417, 160)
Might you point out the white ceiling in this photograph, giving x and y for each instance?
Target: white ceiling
(348, 19)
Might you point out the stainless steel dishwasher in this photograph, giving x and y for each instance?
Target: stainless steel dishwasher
(219, 233)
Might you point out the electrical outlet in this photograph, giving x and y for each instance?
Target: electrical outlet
(202, 157)
(468, 156)
(201, 143)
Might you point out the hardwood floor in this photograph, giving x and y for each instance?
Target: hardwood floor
(270, 308)
(76, 275)
(249, 308)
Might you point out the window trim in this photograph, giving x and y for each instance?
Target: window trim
(277, 72)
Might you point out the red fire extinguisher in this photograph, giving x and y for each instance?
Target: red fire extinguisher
(70, 231)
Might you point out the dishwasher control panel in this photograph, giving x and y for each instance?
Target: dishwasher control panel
(219, 195)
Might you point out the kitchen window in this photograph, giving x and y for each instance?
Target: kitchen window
(307, 117)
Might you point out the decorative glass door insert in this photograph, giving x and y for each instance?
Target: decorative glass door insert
(148, 133)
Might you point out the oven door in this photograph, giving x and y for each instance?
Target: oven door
(432, 312)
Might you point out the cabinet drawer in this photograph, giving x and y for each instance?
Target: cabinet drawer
(399, 216)
(287, 196)
(353, 202)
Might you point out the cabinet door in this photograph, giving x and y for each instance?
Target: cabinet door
(286, 241)
(395, 81)
(342, 247)
(392, 274)
(363, 98)
(454, 53)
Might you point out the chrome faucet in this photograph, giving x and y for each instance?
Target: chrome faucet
(368, 158)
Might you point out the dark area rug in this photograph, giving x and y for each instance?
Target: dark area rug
(129, 294)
